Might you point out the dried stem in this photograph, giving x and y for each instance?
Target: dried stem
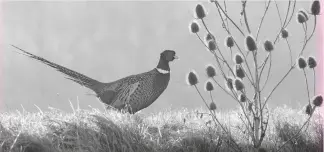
(298, 133)
(202, 20)
(260, 25)
(289, 51)
(207, 46)
(306, 81)
(216, 120)
(229, 33)
(211, 96)
(314, 74)
(287, 23)
(220, 7)
(223, 89)
(291, 68)
(245, 17)
(268, 74)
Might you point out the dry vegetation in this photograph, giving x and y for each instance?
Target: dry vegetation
(167, 131)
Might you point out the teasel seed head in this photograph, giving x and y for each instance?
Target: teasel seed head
(238, 59)
(311, 62)
(229, 83)
(316, 7)
(210, 71)
(212, 106)
(242, 97)
(229, 41)
(239, 71)
(209, 37)
(212, 46)
(194, 27)
(302, 17)
(301, 62)
(192, 78)
(238, 85)
(318, 100)
(200, 11)
(250, 43)
(284, 33)
(250, 107)
(268, 46)
(308, 109)
(209, 86)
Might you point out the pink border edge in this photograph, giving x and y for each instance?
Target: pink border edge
(320, 56)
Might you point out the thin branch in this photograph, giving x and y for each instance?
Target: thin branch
(307, 89)
(211, 96)
(202, 20)
(292, 67)
(298, 133)
(268, 74)
(226, 13)
(260, 25)
(245, 17)
(292, 14)
(288, 9)
(314, 74)
(238, 28)
(229, 33)
(215, 119)
(224, 89)
(267, 99)
(246, 75)
(306, 42)
(290, 52)
(284, 26)
(278, 12)
(207, 46)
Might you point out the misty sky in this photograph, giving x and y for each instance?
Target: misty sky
(110, 40)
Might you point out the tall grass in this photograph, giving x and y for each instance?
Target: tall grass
(167, 131)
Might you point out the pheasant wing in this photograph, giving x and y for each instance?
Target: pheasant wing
(123, 95)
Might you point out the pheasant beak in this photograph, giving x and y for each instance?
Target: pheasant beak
(175, 57)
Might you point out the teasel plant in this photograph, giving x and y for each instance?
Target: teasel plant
(247, 71)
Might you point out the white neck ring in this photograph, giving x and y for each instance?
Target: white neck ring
(163, 71)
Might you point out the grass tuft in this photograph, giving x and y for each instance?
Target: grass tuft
(166, 131)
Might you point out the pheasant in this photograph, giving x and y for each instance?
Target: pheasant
(132, 93)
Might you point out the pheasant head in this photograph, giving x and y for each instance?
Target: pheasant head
(165, 57)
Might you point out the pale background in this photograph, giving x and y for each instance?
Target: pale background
(110, 40)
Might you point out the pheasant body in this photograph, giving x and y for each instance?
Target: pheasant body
(132, 93)
(136, 91)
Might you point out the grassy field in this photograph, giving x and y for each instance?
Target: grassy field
(178, 130)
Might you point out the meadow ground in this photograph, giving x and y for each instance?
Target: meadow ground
(178, 130)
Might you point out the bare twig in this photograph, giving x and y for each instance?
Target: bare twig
(238, 28)
(202, 20)
(298, 132)
(291, 68)
(289, 51)
(314, 74)
(206, 45)
(278, 13)
(268, 97)
(306, 86)
(287, 23)
(260, 25)
(229, 33)
(268, 74)
(245, 17)
(216, 120)
(223, 89)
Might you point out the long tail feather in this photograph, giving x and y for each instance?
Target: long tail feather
(72, 75)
